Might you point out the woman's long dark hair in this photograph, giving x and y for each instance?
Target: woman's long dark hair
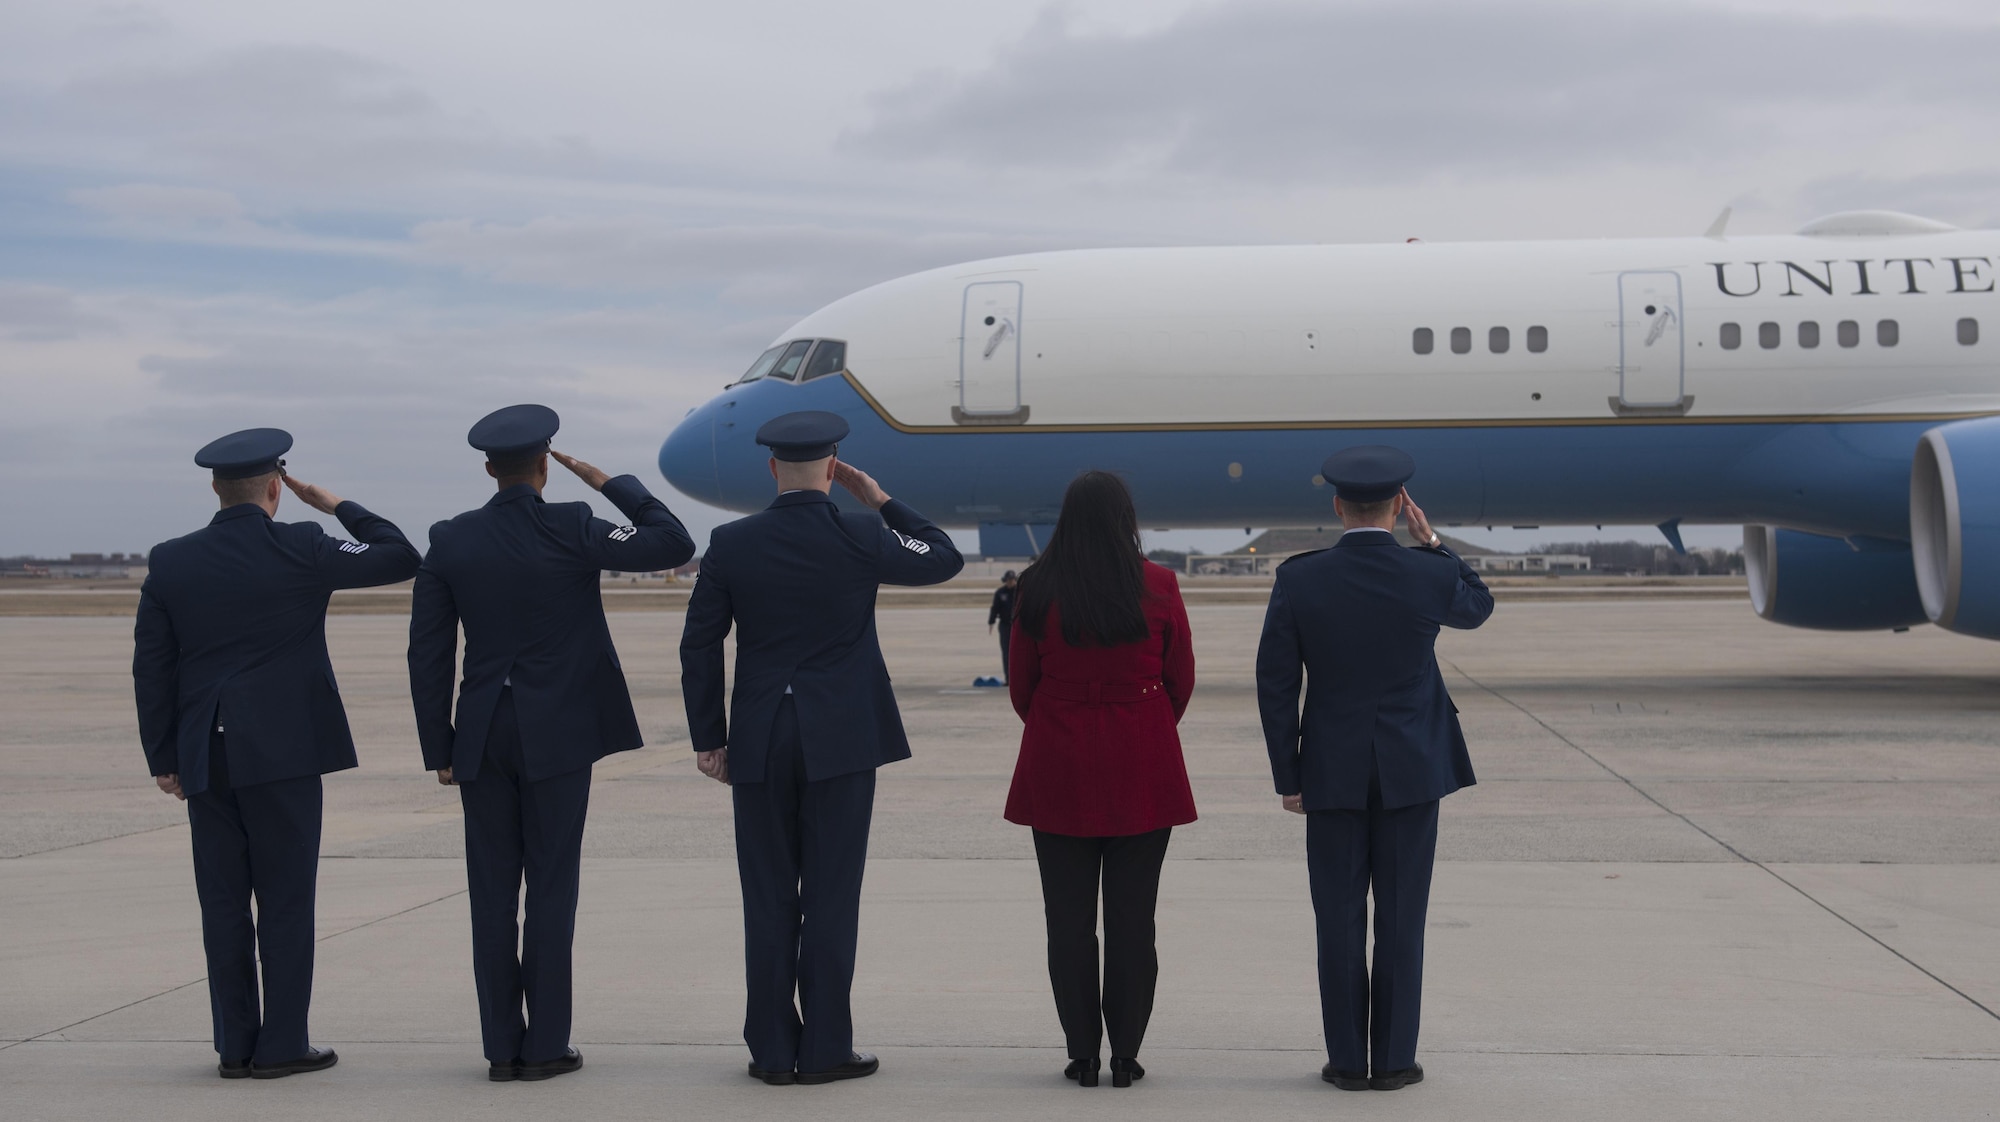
(1092, 569)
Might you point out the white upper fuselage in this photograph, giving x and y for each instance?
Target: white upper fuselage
(1291, 335)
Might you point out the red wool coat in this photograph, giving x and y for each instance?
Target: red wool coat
(1100, 756)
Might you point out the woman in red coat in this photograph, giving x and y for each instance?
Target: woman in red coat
(1100, 670)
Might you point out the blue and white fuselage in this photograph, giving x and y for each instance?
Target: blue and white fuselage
(1772, 381)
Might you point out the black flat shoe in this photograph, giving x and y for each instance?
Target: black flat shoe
(569, 1061)
(233, 1069)
(1345, 1080)
(1124, 1071)
(504, 1073)
(1399, 1079)
(859, 1065)
(774, 1078)
(319, 1059)
(1083, 1071)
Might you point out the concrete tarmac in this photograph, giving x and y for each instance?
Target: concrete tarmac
(1713, 868)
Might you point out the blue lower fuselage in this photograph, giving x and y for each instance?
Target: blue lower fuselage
(1825, 475)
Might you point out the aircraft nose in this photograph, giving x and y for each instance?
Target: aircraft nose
(687, 459)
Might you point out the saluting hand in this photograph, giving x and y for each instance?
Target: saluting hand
(1420, 526)
(314, 496)
(714, 764)
(859, 485)
(592, 477)
(171, 784)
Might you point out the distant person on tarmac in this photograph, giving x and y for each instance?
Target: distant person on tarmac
(1002, 614)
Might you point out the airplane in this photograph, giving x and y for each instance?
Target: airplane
(1835, 391)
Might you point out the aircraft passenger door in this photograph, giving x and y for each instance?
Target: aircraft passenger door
(989, 354)
(1651, 363)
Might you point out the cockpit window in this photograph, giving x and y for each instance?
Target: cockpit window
(762, 366)
(788, 363)
(830, 357)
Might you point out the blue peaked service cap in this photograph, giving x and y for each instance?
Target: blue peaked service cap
(1368, 473)
(516, 432)
(241, 455)
(803, 437)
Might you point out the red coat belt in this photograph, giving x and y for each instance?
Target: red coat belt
(1102, 693)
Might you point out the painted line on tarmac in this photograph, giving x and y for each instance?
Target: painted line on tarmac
(1739, 854)
(198, 981)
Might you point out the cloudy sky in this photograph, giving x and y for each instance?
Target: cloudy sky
(371, 221)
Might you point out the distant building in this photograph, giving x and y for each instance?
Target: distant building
(78, 566)
(1530, 563)
(1273, 547)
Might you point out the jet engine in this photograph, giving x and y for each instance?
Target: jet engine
(1830, 584)
(1955, 525)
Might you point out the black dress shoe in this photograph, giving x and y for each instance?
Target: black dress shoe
(1124, 1071)
(1083, 1071)
(233, 1069)
(319, 1059)
(1398, 1079)
(569, 1061)
(774, 1078)
(504, 1072)
(1345, 1080)
(858, 1065)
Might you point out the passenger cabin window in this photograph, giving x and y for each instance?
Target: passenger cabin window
(1538, 340)
(830, 357)
(788, 363)
(1732, 336)
(1423, 340)
(1968, 331)
(1887, 333)
(1848, 333)
(1767, 335)
(1461, 340)
(1809, 334)
(1496, 340)
(763, 364)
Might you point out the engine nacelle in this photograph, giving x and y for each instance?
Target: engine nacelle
(1955, 525)
(1830, 584)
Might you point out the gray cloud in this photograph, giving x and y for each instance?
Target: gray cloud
(42, 313)
(1395, 92)
(759, 265)
(289, 114)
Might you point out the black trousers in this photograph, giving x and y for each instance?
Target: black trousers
(1006, 632)
(259, 842)
(1347, 852)
(1129, 870)
(800, 850)
(516, 830)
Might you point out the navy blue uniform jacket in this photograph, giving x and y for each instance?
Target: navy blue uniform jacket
(1361, 620)
(522, 575)
(798, 580)
(232, 631)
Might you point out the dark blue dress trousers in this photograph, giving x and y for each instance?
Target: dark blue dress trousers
(791, 833)
(1348, 853)
(261, 842)
(515, 830)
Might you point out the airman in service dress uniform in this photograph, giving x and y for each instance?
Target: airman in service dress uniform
(240, 716)
(811, 719)
(1379, 744)
(543, 698)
